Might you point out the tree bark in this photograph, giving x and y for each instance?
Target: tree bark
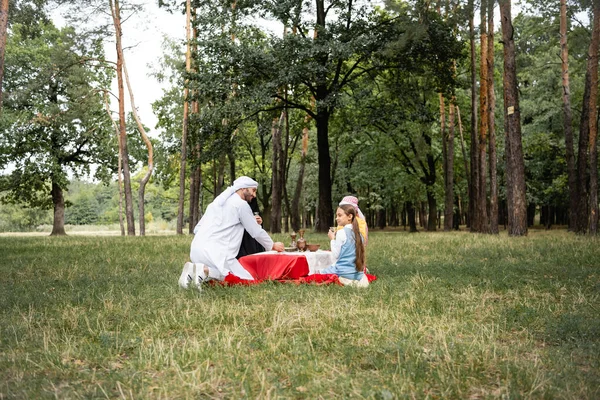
(276, 189)
(493, 217)
(119, 179)
(593, 67)
(568, 117)
(116, 15)
(195, 191)
(449, 207)
(448, 183)
(295, 212)
(220, 181)
(58, 225)
(474, 186)
(285, 168)
(186, 122)
(412, 220)
(430, 178)
(325, 206)
(515, 167)
(432, 206)
(196, 173)
(3, 35)
(148, 174)
(323, 112)
(482, 224)
(464, 152)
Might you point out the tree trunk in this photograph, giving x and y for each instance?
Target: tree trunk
(231, 158)
(482, 225)
(515, 168)
(474, 186)
(285, 170)
(142, 131)
(581, 223)
(192, 201)
(465, 160)
(58, 225)
(119, 179)
(116, 15)
(325, 206)
(196, 173)
(448, 207)
(295, 211)
(276, 189)
(593, 66)
(381, 217)
(323, 112)
(432, 205)
(568, 117)
(220, 179)
(195, 195)
(493, 217)
(412, 221)
(186, 122)
(449, 176)
(3, 34)
(195, 190)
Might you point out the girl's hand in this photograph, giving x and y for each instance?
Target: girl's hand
(331, 234)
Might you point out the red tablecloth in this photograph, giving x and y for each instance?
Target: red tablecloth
(275, 266)
(285, 267)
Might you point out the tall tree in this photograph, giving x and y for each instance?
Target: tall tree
(195, 147)
(482, 221)
(56, 125)
(116, 18)
(593, 107)
(186, 123)
(568, 116)
(3, 30)
(474, 150)
(515, 168)
(493, 217)
(142, 131)
(277, 176)
(449, 222)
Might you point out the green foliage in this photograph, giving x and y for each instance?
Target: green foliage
(541, 105)
(53, 121)
(16, 218)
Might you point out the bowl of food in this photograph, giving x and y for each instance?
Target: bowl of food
(313, 247)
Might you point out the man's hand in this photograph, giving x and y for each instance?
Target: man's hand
(278, 246)
(258, 219)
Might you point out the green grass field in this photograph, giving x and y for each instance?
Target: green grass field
(452, 315)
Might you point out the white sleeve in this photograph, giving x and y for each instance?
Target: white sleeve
(253, 228)
(336, 244)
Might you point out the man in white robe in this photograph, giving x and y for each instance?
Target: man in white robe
(219, 233)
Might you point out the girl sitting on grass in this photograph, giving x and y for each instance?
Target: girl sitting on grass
(348, 249)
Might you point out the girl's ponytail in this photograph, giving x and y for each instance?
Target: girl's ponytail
(360, 247)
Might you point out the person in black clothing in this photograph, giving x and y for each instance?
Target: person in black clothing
(249, 244)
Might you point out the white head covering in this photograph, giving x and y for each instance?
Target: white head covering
(240, 183)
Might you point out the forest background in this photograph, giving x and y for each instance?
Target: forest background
(400, 103)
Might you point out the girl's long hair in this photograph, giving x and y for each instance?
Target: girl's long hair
(360, 247)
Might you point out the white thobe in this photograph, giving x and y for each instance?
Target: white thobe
(217, 244)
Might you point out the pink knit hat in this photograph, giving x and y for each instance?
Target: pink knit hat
(350, 200)
(353, 201)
